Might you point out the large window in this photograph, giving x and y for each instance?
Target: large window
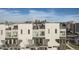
(14, 34)
(6, 42)
(38, 42)
(42, 33)
(14, 41)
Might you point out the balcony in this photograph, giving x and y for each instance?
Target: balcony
(38, 33)
(62, 26)
(62, 32)
(9, 28)
(37, 43)
(39, 26)
(15, 27)
(8, 34)
(13, 46)
(11, 34)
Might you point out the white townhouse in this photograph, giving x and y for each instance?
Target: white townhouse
(32, 35)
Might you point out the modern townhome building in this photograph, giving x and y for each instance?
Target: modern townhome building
(32, 35)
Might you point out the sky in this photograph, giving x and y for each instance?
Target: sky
(49, 14)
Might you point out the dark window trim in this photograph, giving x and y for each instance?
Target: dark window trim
(28, 31)
(55, 31)
(1, 32)
(21, 31)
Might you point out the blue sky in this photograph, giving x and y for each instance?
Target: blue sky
(50, 14)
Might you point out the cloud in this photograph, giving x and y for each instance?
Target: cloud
(42, 15)
(11, 15)
(71, 18)
(15, 15)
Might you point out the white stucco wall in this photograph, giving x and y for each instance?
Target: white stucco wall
(2, 37)
(24, 36)
(52, 36)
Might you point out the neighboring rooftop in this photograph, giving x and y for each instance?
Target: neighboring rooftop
(34, 21)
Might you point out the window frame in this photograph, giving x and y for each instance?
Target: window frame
(55, 31)
(28, 31)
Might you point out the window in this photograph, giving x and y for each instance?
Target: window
(55, 31)
(28, 31)
(42, 33)
(21, 31)
(14, 34)
(6, 42)
(48, 31)
(41, 42)
(15, 27)
(10, 41)
(38, 42)
(14, 41)
(1, 32)
(63, 32)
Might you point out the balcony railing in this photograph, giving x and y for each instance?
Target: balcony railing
(15, 27)
(38, 33)
(9, 28)
(32, 43)
(11, 34)
(38, 26)
(12, 46)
